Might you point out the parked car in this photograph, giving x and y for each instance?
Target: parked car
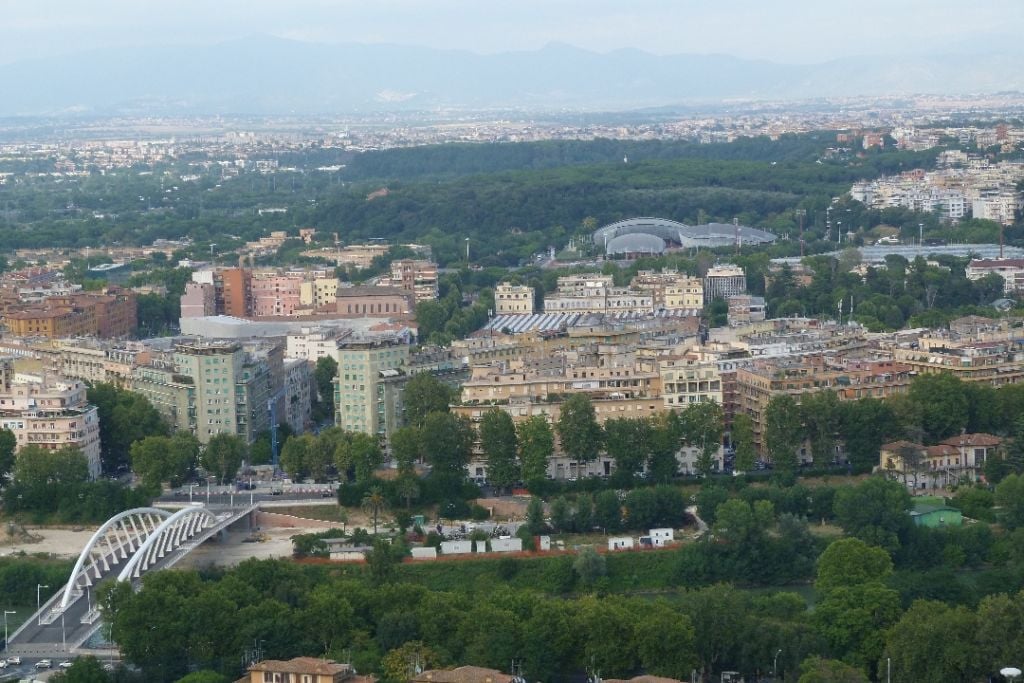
(44, 664)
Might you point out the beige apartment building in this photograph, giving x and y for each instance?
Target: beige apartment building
(689, 379)
(670, 289)
(512, 299)
(319, 292)
(797, 376)
(51, 413)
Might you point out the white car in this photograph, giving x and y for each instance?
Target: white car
(65, 665)
(43, 664)
(14, 661)
(3, 663)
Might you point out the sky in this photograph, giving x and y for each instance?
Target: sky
(792, 31)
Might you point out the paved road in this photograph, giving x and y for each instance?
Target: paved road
(229, 495)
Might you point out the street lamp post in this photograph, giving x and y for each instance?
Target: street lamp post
(39, 617)
(63, 633)
(6, 612)
(775, 663)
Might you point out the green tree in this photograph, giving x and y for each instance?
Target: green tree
(83, 670)
(933, 642)
(782, 432)
(359, 453)
(624, 441)
(742, 438)
(498, 439)
(821, 414)
(447, 443)
(943, 404)
(8, 445)
(1000, 637)
(1010, 501)
(383, 561)
(403, 663)
(294, 454)
(374, 504)
(703, 424)
(535, 516)
(425, 394)
(589, 566)
(125, 417)
(159, 459)
(407, 449)
(875, 511)
(536, 444)
(850, 562)
(608, 511)
(223, 455)
(853, 620)
(578, 431)
(205, 676)
(561, 514)
(814, 669)
(665, 642)
(324, 373)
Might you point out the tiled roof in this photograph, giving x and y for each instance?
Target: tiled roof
(301, 665)
(463, 674)
(979, 439)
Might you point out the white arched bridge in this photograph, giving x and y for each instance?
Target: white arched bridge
(126, 547)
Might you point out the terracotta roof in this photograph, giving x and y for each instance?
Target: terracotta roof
(642, 679)
(897, 445)
(463, 674)
(979, 439)
(365, 290)
(301, 665)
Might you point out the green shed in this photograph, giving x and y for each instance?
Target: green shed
(936, 516)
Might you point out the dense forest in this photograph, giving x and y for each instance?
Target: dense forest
(511, 200)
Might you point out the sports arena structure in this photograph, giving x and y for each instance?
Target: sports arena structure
(645, 236)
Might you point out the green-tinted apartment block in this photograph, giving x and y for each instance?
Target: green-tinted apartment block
(211, 388)
(367, 390)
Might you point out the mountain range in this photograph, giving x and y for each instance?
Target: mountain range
(267, 75)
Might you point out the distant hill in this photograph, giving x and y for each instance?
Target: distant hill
(264, 75)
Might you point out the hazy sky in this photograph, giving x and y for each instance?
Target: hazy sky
(780, 30)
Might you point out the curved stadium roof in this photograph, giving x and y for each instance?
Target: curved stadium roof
(614, 235)
(664, 228)
(636, 243)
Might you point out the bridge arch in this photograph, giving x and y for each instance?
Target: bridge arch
(169, 536)
(136, 518)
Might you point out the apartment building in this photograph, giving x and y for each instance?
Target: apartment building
(198, 300)
(692, 378)
(996, 362)
(367, 388)
(1010, 269)
(512, 299)
(314, 343)
(724, 280)
(107, 314)
(49, 412)
(210, 388)
(593, 293)
(298, 393)
(319, 292)
(502, 382)
(374, 302)
(276, 294)
(670, 289)
(412, 275)
(797, 376)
